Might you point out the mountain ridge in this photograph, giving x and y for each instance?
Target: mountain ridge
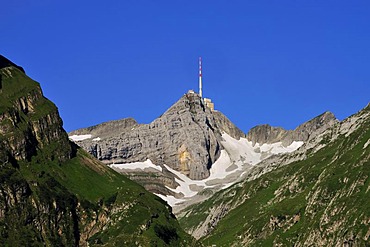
(268, 134)
(283, 201)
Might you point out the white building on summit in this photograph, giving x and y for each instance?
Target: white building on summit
(209, 104)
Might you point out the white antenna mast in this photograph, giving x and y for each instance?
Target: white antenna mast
(200, 77)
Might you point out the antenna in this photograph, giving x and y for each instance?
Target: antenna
(200, 77)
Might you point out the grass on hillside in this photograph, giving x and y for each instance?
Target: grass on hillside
(333, 170)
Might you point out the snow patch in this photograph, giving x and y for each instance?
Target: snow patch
(77, 138)
(241, 151)
(97, 139)
(137, 165)
(235, 159)
(171, 200)
(184, 183)
(278, 148)
(219, 168)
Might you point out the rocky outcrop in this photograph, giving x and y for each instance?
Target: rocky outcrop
(187, 137)
(267, 134)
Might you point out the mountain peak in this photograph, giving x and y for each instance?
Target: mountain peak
(186, 137)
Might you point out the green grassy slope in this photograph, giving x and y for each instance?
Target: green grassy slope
(138, 215)
(323, 200)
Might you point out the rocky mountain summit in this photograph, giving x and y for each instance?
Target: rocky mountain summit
(52, 193)
(190, 151)
(187, 137)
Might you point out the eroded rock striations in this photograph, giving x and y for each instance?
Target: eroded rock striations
(19, 99)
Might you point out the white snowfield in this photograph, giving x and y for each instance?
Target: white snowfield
(77, 138)
(171, 200)
(137, 165)
(278, 148)
(235, 159)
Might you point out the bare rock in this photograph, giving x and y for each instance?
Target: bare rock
(267, 134)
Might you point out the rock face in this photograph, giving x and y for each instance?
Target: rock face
(227, 126)
(267, 134)
(53, 193)
(186, 137)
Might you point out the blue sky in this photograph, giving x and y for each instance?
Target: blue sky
(276, 62)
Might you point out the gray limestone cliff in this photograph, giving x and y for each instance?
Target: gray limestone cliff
(267, 134)
(187, 138)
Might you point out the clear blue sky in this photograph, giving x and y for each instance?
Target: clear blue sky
(276, 62)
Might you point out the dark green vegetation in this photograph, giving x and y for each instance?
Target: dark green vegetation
(323, 200)
(53, 193)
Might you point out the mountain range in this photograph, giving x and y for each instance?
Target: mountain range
(188, 178)
(190, 151)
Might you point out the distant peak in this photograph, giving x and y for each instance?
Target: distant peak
(268, 134)
(327, 114)
(321, 119)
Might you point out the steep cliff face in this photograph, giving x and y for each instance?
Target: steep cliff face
(21, 98)
(226, 126)
(316, 196)
(267, 134)
(186, 137)
(53, 193)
